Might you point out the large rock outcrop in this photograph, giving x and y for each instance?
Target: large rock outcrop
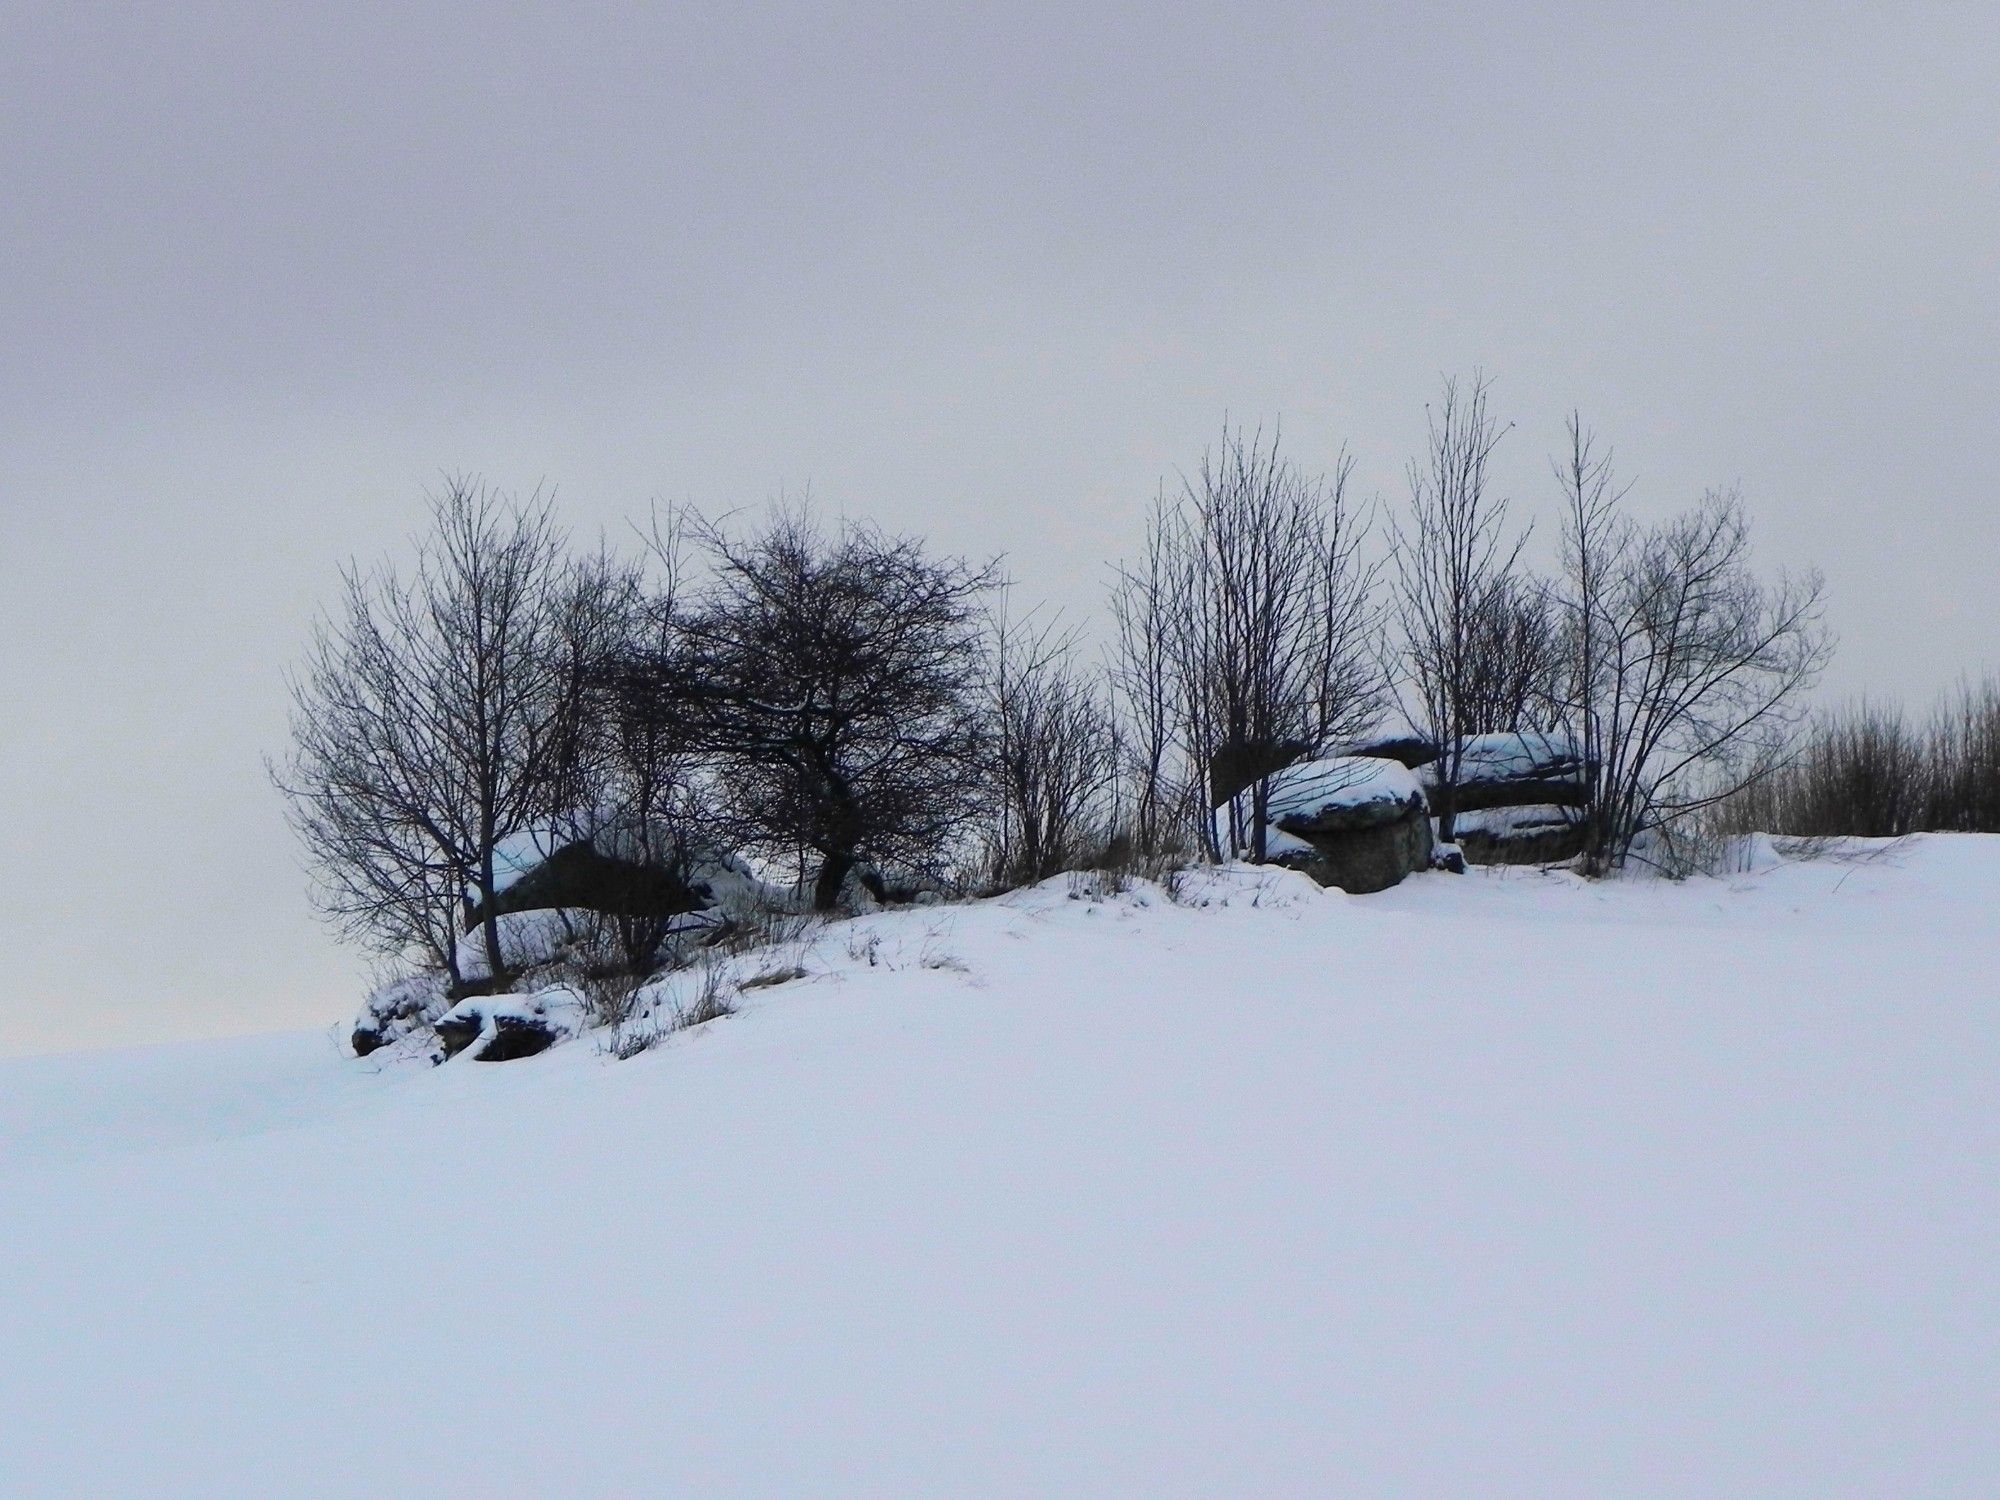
(1406, 748)
(1360, 823)
(1518, 797)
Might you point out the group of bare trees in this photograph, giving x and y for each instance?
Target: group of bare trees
(1246, 640)
(1249, 636)
(1656, 652)
(820, 698)
(841, 703)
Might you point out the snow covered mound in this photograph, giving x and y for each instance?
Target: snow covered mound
(1506, 1184)
(526, 937)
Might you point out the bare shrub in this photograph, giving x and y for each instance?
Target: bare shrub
(598, 966)
(1866, 771)
(933, 955)
(669, 1013)
(766, 978)
(711, 1000)
(1964, 781)
(1860, 771)
(633, 1038)
(779, 941)
(1096, 885)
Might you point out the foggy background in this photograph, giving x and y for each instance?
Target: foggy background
(266, 272)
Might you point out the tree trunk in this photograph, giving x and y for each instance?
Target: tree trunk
(833, 873)
(1444, 807)
(489, 923)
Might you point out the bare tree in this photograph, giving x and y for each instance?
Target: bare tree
(1457, 600)
(639, 799)
(1514, 658)
(834, 681)
(1688, 672)
(1145, 679)
(382, 880)
(1054, 752)
(1261, 602)
(440, 714)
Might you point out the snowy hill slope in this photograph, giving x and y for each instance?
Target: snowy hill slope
(1495, 1185)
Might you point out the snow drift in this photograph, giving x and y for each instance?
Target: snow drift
(1503, 1184)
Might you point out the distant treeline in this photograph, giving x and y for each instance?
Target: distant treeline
(1868, 770)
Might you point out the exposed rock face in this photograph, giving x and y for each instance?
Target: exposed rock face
(1356, 822)
(549, 904)
(1361, 861)
(631, 872)
(1514, 801)
(1352, 820)
(1238, 763)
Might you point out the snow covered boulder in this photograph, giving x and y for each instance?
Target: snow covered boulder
(617, 870)
(499, 1028)
(1541, 834)
(1352, 821)
(1522, 769)
(395, 1010)
(1405, 747)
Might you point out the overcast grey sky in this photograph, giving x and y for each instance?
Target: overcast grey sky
(268, 270)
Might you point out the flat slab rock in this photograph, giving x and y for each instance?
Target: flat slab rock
(1514, 770)
(1343, 794)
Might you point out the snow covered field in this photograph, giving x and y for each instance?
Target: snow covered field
(1494, 1185)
